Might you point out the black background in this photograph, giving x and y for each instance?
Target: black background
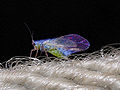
(97, 21)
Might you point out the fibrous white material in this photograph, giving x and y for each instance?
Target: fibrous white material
(99, 70)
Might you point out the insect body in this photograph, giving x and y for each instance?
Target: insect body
(62, 46)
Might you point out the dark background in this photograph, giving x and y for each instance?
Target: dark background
(97, 21)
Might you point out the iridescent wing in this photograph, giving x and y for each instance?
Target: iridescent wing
(72, 43)
(69, 44)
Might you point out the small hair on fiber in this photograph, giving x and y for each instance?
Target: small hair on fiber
(99, 70)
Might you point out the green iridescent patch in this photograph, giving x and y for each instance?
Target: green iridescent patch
(56, 52)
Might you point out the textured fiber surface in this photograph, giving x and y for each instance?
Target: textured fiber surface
(99, 70)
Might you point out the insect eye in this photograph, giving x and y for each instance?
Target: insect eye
(33, 43)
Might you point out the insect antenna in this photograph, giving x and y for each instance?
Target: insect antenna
(31, 34)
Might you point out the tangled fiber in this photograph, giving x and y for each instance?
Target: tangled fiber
(99, 70)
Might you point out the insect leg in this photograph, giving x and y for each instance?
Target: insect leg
(40, 53)
(45, 51)
(31, 52)
(36, 53)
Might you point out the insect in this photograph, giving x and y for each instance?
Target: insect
(62, 46)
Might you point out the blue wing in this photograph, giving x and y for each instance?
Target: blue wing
(69, 44)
